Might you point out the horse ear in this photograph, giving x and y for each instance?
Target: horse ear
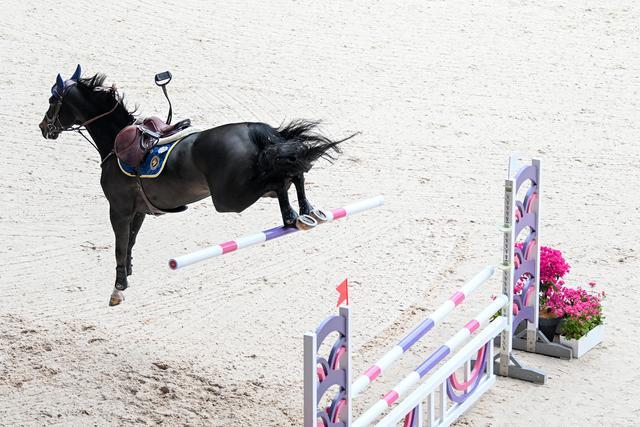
(60, 84)
(76, 74)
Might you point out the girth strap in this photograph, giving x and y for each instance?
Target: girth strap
(153, 209)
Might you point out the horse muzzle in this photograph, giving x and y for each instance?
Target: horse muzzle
(49, 131)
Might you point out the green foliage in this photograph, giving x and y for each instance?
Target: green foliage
(575, 327)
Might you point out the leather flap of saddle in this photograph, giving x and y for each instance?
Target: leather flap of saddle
(127, 146)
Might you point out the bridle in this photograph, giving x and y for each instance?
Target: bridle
(54, 124)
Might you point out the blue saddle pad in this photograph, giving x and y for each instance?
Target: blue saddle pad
(153, 163)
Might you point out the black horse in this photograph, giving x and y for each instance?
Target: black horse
(235, 164)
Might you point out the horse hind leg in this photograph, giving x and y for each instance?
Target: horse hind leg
(306, 208)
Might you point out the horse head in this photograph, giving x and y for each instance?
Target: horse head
(62, 112)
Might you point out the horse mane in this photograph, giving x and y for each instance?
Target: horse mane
(95, 85)
(93, 82)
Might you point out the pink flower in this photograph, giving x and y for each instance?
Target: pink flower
(581, 308)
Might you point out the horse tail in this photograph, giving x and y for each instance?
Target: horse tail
(291, 149)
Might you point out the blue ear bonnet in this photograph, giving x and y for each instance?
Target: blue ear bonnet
(61, 86)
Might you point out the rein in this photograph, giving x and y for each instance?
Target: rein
(83, 126)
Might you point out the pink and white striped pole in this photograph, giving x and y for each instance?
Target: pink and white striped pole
(270, 234)
(361, 383)
(479, 321)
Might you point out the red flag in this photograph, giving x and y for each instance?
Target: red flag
(343, 291)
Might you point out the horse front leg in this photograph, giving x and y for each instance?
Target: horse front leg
(121, 224)
(289, 215)
(135, 226)
(303, 202)
(305, 206)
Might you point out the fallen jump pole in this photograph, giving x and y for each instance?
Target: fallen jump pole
(270, 234)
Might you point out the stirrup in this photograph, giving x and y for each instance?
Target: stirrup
(305, 222)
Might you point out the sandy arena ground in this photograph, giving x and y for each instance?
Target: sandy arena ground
(442, 92)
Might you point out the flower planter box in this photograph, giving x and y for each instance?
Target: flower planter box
(586, 343)
(549, 327)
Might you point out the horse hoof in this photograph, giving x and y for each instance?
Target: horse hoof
(319, 215)
(117, 297)
(305, 222)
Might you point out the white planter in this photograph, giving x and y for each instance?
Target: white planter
(586, 343)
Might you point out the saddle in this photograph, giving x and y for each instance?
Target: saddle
(135, 141)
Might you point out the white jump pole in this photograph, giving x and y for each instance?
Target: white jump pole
(270, 234)
(451, 345)
(441, 375)
(391, 356)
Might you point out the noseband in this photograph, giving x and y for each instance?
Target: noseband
(53, 122)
